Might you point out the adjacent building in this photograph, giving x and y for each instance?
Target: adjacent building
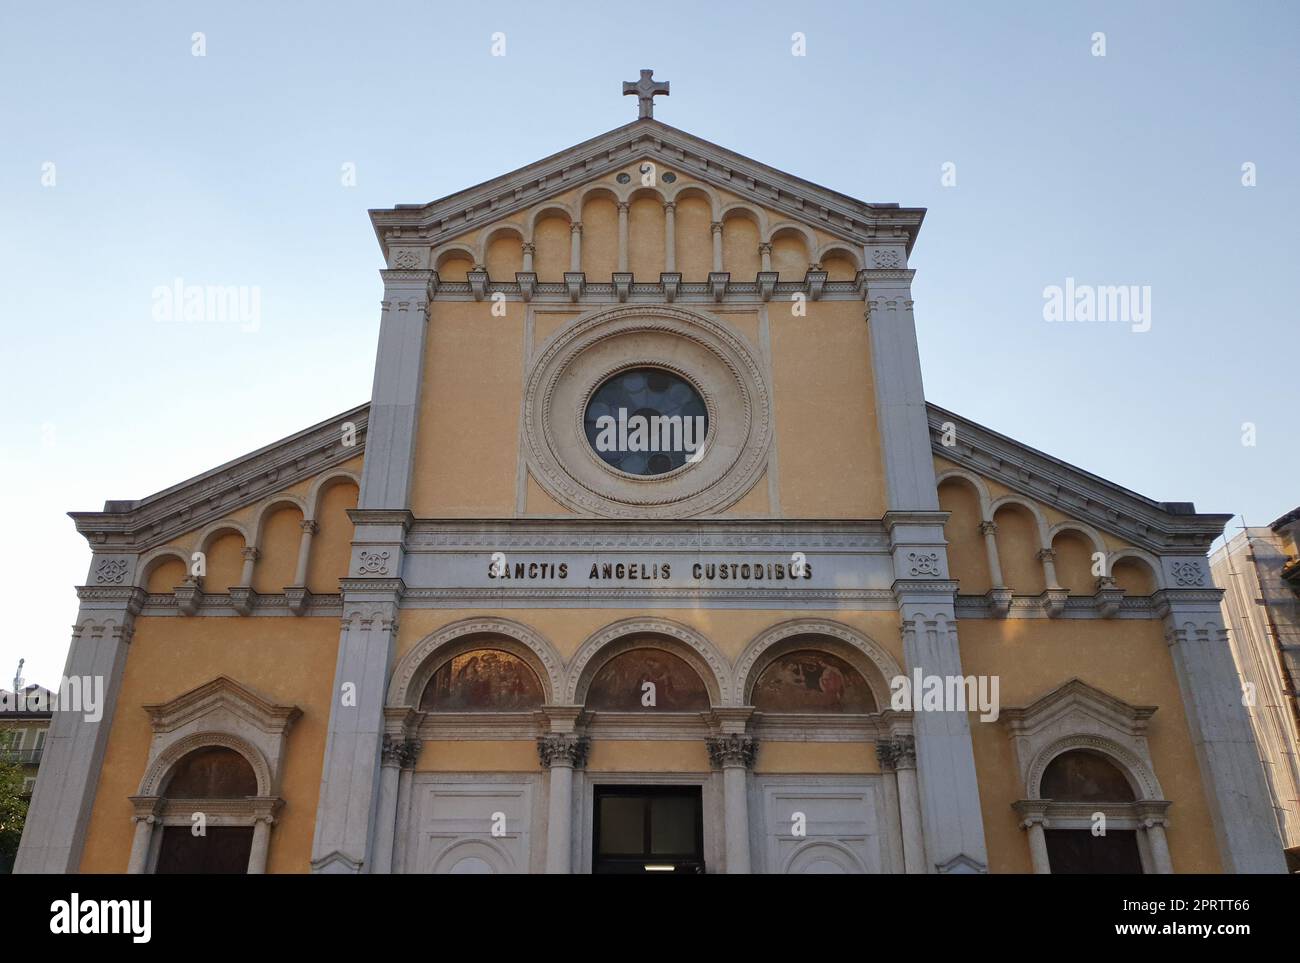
(1259, 571)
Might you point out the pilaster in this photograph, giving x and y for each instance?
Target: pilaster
(68, 778)
(1231, 772)
(945, 760)
(346, 815)
(900, 395)
(394, 401)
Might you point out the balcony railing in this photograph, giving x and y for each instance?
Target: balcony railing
(26, 757)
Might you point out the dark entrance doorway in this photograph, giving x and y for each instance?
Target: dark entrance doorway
(223, 849)
(1079, 851)
(648, 829)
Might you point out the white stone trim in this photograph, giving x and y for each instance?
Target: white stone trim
(1078, 528)
(326, 480)
(1040, 520)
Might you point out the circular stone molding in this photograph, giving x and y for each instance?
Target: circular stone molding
(700, 349)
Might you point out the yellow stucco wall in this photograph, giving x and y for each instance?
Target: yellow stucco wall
(826, 433)
(289, 661)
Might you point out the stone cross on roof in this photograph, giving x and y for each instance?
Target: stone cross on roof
(645, 89)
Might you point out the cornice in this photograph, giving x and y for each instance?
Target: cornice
(594, 293)
(1075, 492)
(136, 526)
(831, 211)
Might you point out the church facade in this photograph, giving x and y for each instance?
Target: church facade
(648, 555)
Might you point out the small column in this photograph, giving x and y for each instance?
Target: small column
(140, 843)
(716, 228)
(909, 804)
(1159, 846)
(622, 236)
(889, 783)
(1048, 557)
(670, 236)
(1035, 827)
(148, 812)
(386, 814)
(765, 255)
(410, 755)
(309, 528)
(561, 753)
(261, 845)
(734, 754)
(250, 556)
(265, 810)
(529, 251)
(575, 246)
(990, 531)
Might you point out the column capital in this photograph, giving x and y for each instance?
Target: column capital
(563, 750)
(716, 227)
(250, 554)
(735, 749)
(401, 753)
(309, 525)
(670, 207)
(886, 755)
(765, 248)
(903, 749)
(575, 227)
(988, 528)
(530, 248)
(623, 206)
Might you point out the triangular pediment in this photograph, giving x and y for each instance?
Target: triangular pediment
(799, 200)
(1078, 698)
(222, 696)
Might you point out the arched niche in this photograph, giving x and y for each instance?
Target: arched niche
(418, 667)
(600, 234)
(503, 253)
(968, 558)
(646, 677)
(162, 573)
(485, 678)
(1019, 541)
(211, 772)
(1082, 775)
(1074, 563)
(740, 239)
(783, 644)
(807, 678)
(663, 635)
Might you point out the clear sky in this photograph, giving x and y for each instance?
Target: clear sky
(225, 169)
